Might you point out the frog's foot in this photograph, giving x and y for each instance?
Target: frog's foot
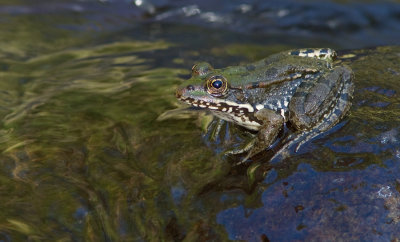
(252, 148)
(272, 124)
(257, 148)
(296, 139)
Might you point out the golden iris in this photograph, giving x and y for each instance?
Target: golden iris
(217, 85)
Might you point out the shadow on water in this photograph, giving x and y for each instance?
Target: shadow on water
(83, 156)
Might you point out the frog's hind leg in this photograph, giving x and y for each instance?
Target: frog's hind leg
(340, 108)
(296, 138)
(332, 118)
(322, 102)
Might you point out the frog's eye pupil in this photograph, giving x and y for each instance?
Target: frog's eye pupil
(217, 84)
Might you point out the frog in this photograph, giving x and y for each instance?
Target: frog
(305, 89)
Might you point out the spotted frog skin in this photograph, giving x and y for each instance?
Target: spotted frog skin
(300, 87)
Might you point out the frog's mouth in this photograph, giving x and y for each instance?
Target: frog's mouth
(201, 99)
(242, 114)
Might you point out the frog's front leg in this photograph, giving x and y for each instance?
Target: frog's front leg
(272, 123)
(316, 99)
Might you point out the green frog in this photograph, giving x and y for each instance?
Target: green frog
(303, 88)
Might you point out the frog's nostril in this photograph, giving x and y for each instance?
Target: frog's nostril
(190, 87)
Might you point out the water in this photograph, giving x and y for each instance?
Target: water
(83, 156)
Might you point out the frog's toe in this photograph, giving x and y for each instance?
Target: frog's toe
(243, 149)
(247, 157)
(251, 152)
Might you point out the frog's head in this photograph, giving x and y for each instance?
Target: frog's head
(218, 91)
(207, 88)
(203, 88)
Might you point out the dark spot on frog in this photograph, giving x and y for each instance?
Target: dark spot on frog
(255, 84)
(239, 96)
(190, 87)
(272, 72)
(309, 51)
(305, 86)
(323, 51)
(250, 67)
(290, 69)
(295, 52)
(272, 59)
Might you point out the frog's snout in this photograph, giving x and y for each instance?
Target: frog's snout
(181, 90)
(178, 93)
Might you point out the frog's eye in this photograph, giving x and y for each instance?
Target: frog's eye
(217, 85)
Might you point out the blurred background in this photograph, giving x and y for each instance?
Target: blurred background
(84, 158)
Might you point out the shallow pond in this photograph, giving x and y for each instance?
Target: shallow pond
(85, 156)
